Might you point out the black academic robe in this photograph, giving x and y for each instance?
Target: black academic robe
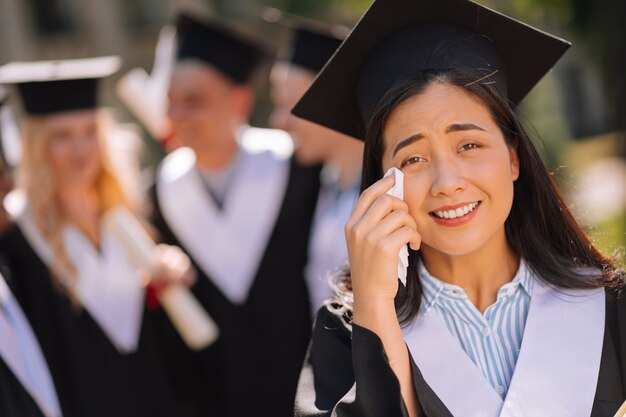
(92, 378)
(253, 367)
(337, 358)
(14, 400)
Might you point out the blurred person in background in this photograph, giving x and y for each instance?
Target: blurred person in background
(26, 385)
(76, 282)
(311, 44)
(243, 214)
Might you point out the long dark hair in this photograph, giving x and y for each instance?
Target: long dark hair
(540, 227)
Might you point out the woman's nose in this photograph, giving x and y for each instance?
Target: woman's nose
(448, 177)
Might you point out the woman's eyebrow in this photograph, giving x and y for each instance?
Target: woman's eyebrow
(462, 127)
(457, 127)
(406, 142)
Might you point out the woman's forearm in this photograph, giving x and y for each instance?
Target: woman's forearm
(379, 316)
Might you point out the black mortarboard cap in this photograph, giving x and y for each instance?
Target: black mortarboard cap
(396, 38)
(313, 42)
(235, 54)
(56, 86)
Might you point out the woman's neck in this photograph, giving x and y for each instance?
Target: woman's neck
(81, 207)
(480, 274)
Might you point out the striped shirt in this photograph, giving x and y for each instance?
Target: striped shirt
(492, 340)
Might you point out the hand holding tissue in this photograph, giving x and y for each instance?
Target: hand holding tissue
(398, 191)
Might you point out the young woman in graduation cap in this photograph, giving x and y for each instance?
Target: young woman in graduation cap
(508, 309)
(75, 279)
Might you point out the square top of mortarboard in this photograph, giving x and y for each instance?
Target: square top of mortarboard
(397, 38)
(233, 52)
(313, 42)
(56, 86)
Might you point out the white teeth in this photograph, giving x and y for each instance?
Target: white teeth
(459, 212)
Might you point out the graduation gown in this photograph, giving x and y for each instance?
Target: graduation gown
(18, 396)
(91, 375)
(14, 399)
(250, 259)
(572, 363)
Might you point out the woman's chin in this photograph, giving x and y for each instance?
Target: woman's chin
(458, 248)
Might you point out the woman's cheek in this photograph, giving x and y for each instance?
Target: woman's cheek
(415, 195)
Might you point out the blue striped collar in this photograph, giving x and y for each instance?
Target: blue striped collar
(433, 288)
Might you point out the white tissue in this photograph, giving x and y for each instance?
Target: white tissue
(398, 191)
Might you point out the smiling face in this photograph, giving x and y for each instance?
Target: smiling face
(205, 108)
(73, 147)
(459, 170)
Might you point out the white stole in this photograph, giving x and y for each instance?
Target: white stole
(108, 284)
(556, 372)
(227, 244)
(46, 396)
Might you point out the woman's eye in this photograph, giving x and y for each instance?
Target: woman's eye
(412, 160)
(469, 146)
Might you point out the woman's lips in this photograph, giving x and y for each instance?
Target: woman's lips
(456, 215)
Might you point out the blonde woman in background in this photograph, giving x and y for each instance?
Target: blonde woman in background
(78, 286)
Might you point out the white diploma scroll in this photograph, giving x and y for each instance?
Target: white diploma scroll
(191, 320)
(398, 191)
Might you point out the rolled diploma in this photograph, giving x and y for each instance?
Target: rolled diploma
(191, 320)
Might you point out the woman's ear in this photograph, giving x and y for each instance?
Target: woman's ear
(514, 162)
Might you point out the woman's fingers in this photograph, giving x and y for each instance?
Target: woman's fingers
(392, 222)
(375, 213)
(398, 239)
(370, 195)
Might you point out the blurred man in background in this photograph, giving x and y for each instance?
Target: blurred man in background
(243, 215)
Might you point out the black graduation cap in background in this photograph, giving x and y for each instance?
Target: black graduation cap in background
(235, 54)
(56, 86)
(313, 42)
(396, 38)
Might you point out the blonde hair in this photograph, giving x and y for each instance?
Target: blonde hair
(36, 178)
